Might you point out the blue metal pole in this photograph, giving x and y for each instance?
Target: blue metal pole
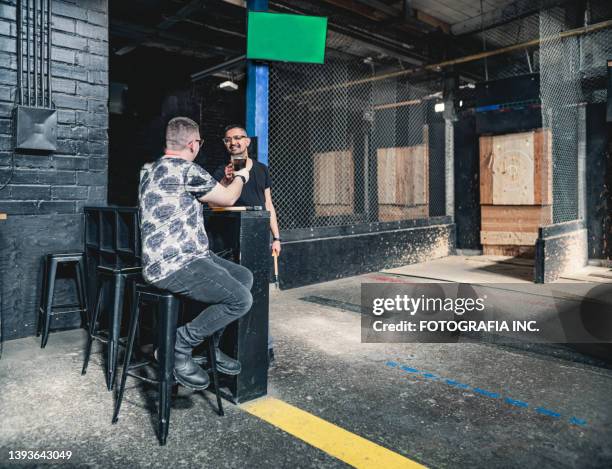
(257, 96)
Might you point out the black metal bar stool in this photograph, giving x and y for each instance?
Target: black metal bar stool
(167, 306)
(47, 309)
(117, 278)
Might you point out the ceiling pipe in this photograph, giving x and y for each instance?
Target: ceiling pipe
(469, 58)
(216, 68)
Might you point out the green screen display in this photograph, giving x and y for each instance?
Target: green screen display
(287, 38)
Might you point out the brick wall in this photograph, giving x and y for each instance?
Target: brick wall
(47, 193)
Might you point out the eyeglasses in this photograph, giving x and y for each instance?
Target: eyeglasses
(235, 138)
(199, 140)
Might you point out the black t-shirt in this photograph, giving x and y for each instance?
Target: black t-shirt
(253, 191)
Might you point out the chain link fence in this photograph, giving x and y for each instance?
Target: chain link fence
(345, 149)
(349, 149)
(572, 67)
(573, 72)
(561, 96)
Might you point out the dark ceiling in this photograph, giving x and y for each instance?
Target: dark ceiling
(206, 33)
(188, 36)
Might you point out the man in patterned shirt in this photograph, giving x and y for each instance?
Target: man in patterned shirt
(175, 253)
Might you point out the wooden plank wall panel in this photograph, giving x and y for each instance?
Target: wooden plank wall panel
(396, 212)
(508, 237)
(403, 177)
(486, 175)
(508, 250)
(526, 218)
(334, 187)
(403, 182)
(542, 178)
(322, 169)
(386, 175)
(420, 176)
(344, 179)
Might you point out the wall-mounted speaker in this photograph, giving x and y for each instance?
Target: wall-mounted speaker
(35, 128)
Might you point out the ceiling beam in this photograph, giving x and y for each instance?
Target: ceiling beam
(381, 6)
(182, 13)
(358, 8)
(213, 28)
(432, 21)
(225, 65)
(141, 34)
(176, 49)
(512, 11)
(408, 49)
(407, 14)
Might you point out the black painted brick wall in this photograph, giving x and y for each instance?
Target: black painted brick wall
(46, 195)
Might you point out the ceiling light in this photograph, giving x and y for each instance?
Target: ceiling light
(228, 85)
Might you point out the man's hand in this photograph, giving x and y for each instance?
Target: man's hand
(244, 173)
(226, 196)
(276, 247)
(229, 172)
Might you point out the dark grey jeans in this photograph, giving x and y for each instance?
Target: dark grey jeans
(222, 284)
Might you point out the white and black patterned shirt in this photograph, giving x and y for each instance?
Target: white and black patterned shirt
(171, 222)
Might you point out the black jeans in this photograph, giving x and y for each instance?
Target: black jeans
(222, 284)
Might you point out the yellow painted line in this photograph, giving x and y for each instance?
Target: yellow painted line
(335, 441)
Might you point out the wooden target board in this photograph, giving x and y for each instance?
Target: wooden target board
(334, 183)
(515, 189)
(403, 182)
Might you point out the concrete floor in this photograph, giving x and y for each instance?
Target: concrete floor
(324, 369)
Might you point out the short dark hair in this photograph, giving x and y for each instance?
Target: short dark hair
(234, 126)
(179, 132)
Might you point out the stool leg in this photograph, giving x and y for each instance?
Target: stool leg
(135, 313)
(213, 363)
(80, 281)
(115, 329)
(49, 302)
(92, 328)
(167, 339)
(131, 287)
(43, 297)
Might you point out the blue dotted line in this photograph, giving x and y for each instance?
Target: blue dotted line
(484, 392)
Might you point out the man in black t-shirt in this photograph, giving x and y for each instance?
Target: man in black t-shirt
(257, 191)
